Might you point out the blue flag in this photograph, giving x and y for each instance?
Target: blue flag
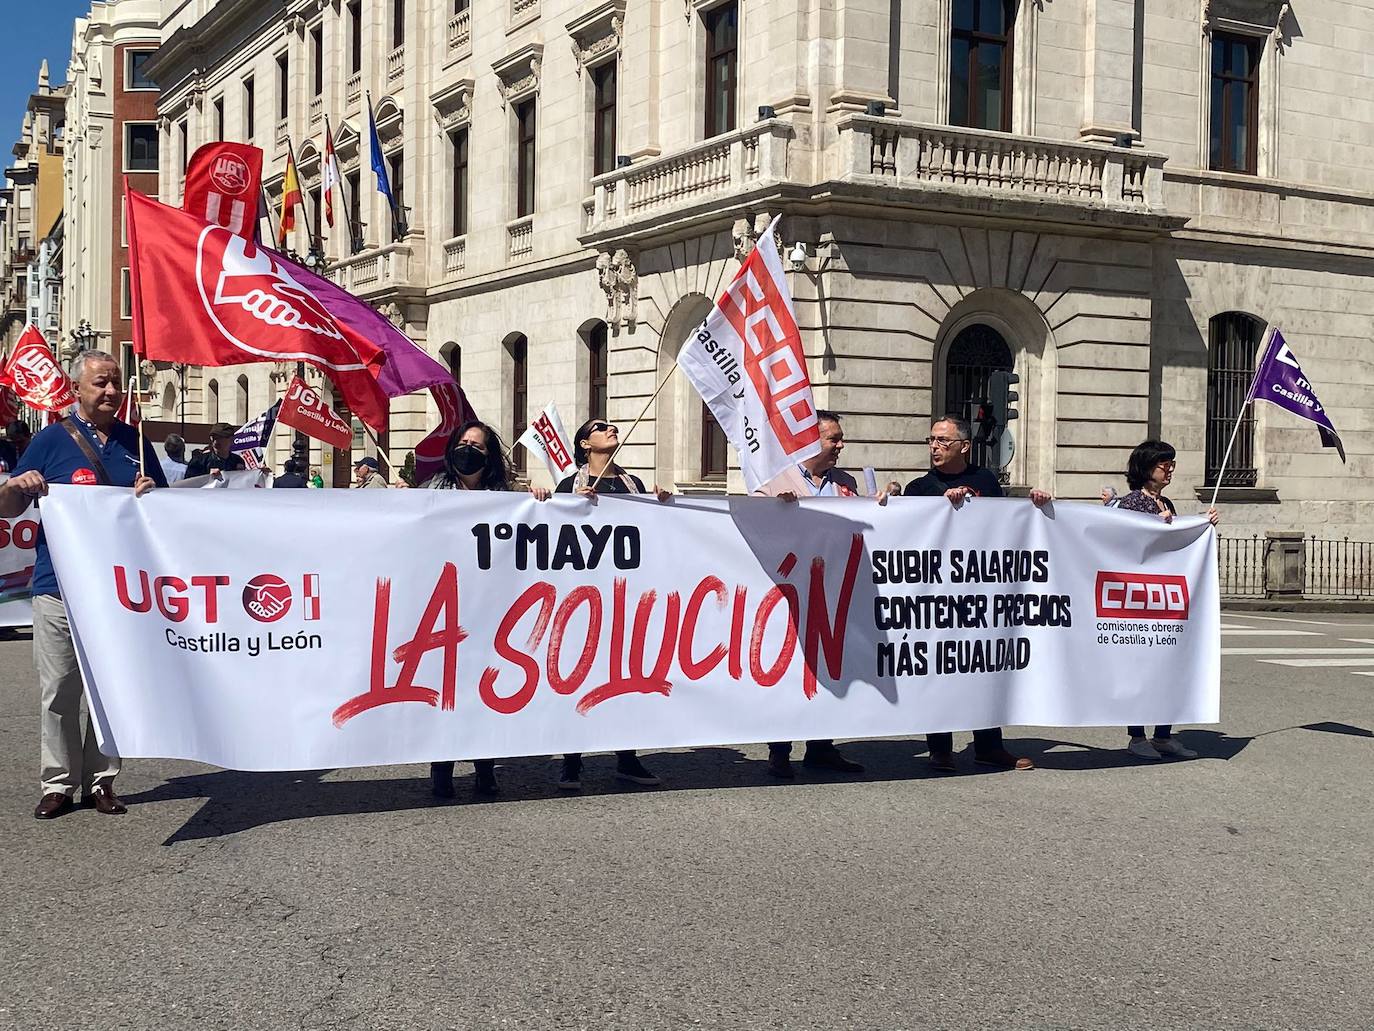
(378, 161)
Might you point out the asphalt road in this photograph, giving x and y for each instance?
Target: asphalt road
(1233, 891)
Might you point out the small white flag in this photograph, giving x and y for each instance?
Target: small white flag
(547, 438)
(747, 364)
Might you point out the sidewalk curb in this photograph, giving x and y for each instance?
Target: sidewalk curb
(1294, 605)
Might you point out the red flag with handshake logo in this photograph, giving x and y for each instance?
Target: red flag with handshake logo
(204, 295)
(746, 361)
(35, 376)
(305, 410)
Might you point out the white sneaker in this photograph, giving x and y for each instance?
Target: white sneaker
(1171, 747)
(1142, 749)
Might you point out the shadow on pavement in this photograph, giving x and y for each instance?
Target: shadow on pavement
(236, 801)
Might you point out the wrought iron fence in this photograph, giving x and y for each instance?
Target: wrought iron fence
(1240, 566)
(1338, 569)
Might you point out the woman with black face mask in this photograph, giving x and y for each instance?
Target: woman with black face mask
(474, 460)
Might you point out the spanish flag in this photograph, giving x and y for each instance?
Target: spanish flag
(290, 198)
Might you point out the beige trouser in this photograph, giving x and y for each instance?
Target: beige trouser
(68, 759)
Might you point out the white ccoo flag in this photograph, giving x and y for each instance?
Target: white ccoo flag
(547, 438)
(746, 361)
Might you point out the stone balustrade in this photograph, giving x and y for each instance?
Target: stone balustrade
(520, 239)
(396, 63)
(353, 87)
(951, 158)
(316, 110)
(724, 165)
(460, 34)
(455, 256)
(381, 270)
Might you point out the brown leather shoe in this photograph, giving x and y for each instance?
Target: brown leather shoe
(53, 805)
(107, 802)
(943, 762)
(1004, 760)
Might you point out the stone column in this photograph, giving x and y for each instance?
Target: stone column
(1108, 70)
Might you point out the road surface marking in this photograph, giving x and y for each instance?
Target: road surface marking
(1318, 662)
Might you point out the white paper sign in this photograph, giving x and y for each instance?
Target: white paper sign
(478, 624)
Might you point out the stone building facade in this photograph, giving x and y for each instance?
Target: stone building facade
(1112, 200)
(112, 135)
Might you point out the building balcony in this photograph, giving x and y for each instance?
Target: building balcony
(316, 110)
(396, 268)
(520, 239)
(353, 88)
(455, 257)
(521, 12)
(396, 63)
(700, 176)
(949, 166)
(460, 35)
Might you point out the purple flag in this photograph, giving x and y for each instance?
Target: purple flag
(1279, 380)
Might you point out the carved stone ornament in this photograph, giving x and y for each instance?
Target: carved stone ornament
(746, 235)
(597, 33)
(147, 369)
(393, 313)
(294, 24)
(619, 281)
(517, 75)
(453, 105)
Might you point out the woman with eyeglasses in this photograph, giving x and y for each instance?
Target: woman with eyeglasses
(593, 447)
(1149, 470)
(473, 460)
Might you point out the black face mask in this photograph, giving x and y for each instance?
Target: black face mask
(464, 460)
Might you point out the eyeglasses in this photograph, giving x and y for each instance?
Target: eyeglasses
(944, 442)
(597, 427)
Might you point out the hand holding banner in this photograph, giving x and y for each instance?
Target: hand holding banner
(305, 410)
(746, 361)
(547, 438)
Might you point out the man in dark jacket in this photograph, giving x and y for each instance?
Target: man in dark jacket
(217, 456)
(290, 476)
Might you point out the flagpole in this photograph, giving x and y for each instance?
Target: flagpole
(305, 208)
(380, 450)
(1240, 417)
(267, 204)
(643, 411)
(138, 366)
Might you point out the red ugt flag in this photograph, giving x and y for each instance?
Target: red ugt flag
(35, 375)
(205, 296)
(223, 183)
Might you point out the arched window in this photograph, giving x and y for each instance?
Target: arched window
(452, 356)
(241, 400)
(1233, 340)
(518, 348)
(597, 354)
(976, 353)
(212, 402)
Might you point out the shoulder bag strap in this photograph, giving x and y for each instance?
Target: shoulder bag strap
(101, 476)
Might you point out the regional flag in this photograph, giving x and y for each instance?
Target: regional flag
(290, 199)
(747, 364)
(1280, 381)
(205, 296)
(332, 178)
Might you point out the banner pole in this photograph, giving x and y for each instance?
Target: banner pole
(640, 418)
(138, 366)
(1240, 417)
(380, 450)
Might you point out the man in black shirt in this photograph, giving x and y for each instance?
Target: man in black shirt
(951, 475)
(290, 475)
(217, 455)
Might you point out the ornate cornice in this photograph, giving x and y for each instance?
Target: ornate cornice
(517, 75)
(597, 33)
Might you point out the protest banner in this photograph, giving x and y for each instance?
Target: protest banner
(305, 410)
(18, 540)
(490, 624)
(746, 362)
(547, 438)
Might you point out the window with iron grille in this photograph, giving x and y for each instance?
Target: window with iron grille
(519, 399)
(1233, 342)
(976, 353)
(980, 49)
(1235, 103)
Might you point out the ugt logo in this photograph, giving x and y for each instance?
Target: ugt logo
(266, 597)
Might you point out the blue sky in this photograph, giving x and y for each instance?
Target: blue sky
(41, 28)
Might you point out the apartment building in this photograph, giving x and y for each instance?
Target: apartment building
(1112, 200)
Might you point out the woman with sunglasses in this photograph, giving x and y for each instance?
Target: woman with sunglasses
(473, 460)
(593, 446)
(1148, 471)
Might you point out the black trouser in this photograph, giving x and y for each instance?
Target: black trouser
(984, 741)
(785, 747)
(1162, 733)
(446, 768)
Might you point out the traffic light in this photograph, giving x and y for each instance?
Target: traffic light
(1002, 402)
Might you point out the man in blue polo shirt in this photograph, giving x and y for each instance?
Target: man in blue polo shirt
(90, 446)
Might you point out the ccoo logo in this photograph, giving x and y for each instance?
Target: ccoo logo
(1141, 596)
(267, 598)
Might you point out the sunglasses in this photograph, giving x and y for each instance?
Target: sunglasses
(597, 427)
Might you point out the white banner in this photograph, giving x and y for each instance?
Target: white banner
(547, 438)
(468, 625)
(747, 364)
(18, 541)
